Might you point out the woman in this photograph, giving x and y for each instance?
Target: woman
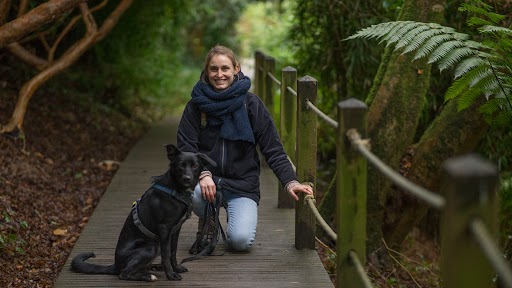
(226, 122)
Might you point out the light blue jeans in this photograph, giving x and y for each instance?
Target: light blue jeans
(242, 214)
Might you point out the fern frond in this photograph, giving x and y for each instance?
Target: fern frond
(495, 29)
(445, 48)
(465, 82)
(417, 41)
(503, 119)
(478, 88)
(409, 36)
(431, 44)
(375, 31)
(395, 35)
(475, 21)
(452, 57)
(468, 64)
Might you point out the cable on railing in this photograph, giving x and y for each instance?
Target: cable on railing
(360, 269)
(311, 201)
(274, 78)
(290, 89)
(488, 246)
(321, 114)
(418, 191)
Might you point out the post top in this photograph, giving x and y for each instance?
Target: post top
(307, 78)
(289, 69)
(352, 103)
(469, 166)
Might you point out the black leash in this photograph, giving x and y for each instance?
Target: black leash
(210, 210)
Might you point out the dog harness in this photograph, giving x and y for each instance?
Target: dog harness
(142, 228)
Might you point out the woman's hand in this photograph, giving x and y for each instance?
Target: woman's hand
(295, 187)
(208, 188)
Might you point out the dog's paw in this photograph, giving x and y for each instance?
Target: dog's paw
(180, 269)
(174, 276)
(152, 278)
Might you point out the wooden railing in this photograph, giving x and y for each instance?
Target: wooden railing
(470, 256)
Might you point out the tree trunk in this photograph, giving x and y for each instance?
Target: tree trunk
(450, 134)
(394, 114)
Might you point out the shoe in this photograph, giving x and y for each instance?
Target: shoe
(203, 238)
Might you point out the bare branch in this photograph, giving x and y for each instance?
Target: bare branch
(4, 10)
(27, 56)
(22, 7)
(31, 21)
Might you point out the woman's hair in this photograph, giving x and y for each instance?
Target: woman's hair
(218, 50)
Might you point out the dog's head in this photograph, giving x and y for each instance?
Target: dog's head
(186, 166)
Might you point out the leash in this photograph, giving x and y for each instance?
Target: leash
(210, 210)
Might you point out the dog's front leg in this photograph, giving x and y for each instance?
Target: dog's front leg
(174, 247)
(165, 245)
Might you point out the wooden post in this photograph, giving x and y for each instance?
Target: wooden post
(288, 126)
(305, 222)
(350, 194)
(270, 66)
(258, 73)
(469, 184)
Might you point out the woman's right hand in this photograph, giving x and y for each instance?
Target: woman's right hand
(208, 189)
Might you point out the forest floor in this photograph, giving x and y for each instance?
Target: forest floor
(52, 177)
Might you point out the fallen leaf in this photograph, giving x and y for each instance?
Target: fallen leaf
(60, 232)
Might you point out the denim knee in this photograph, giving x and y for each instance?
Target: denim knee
(240, 241)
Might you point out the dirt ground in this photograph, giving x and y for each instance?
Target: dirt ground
(51, 179)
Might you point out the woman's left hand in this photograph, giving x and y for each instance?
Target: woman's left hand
(293, 190)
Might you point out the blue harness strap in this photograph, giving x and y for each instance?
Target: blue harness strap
(136, 221)
(135, 213)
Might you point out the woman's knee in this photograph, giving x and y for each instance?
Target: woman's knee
(240, 240)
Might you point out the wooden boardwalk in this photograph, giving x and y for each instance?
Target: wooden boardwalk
(272, 261)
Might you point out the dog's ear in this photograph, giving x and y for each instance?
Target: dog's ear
(205, 160)
(172, 151)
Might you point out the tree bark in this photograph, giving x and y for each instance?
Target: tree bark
(394, 114)
(33, 20)
(450, 134)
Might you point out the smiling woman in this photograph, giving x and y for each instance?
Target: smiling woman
(227, 122)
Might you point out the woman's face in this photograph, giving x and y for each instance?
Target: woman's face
(221, 72)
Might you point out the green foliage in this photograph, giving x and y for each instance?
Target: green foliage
(481, 68)
(264, 26)
(212, 22)
(9, 228)
(344, 69)
(141, 60)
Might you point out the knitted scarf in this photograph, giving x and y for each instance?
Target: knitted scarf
(226, 108)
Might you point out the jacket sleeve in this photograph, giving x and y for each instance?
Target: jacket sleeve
(189, 129)
(267, 138)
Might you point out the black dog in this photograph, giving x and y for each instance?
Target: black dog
(154, 223)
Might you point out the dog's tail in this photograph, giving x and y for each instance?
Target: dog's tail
(79, 265)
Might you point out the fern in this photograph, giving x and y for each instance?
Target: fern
(481, 69)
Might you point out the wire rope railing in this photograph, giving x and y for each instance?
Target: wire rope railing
(351, 113)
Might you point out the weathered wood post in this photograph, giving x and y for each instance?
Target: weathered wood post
(288, 125)
(269, 64)
(305, 222)
(469, 184)
(258, 73)
(350, 194)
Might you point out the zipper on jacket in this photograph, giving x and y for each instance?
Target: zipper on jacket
(223, 156)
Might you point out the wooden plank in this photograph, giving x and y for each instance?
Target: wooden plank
(273, 261)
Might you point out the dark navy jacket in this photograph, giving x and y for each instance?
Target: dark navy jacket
(238, 164)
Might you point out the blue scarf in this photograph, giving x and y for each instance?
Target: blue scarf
(226, 108)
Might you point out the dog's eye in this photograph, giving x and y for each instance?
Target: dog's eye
(195, 166)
